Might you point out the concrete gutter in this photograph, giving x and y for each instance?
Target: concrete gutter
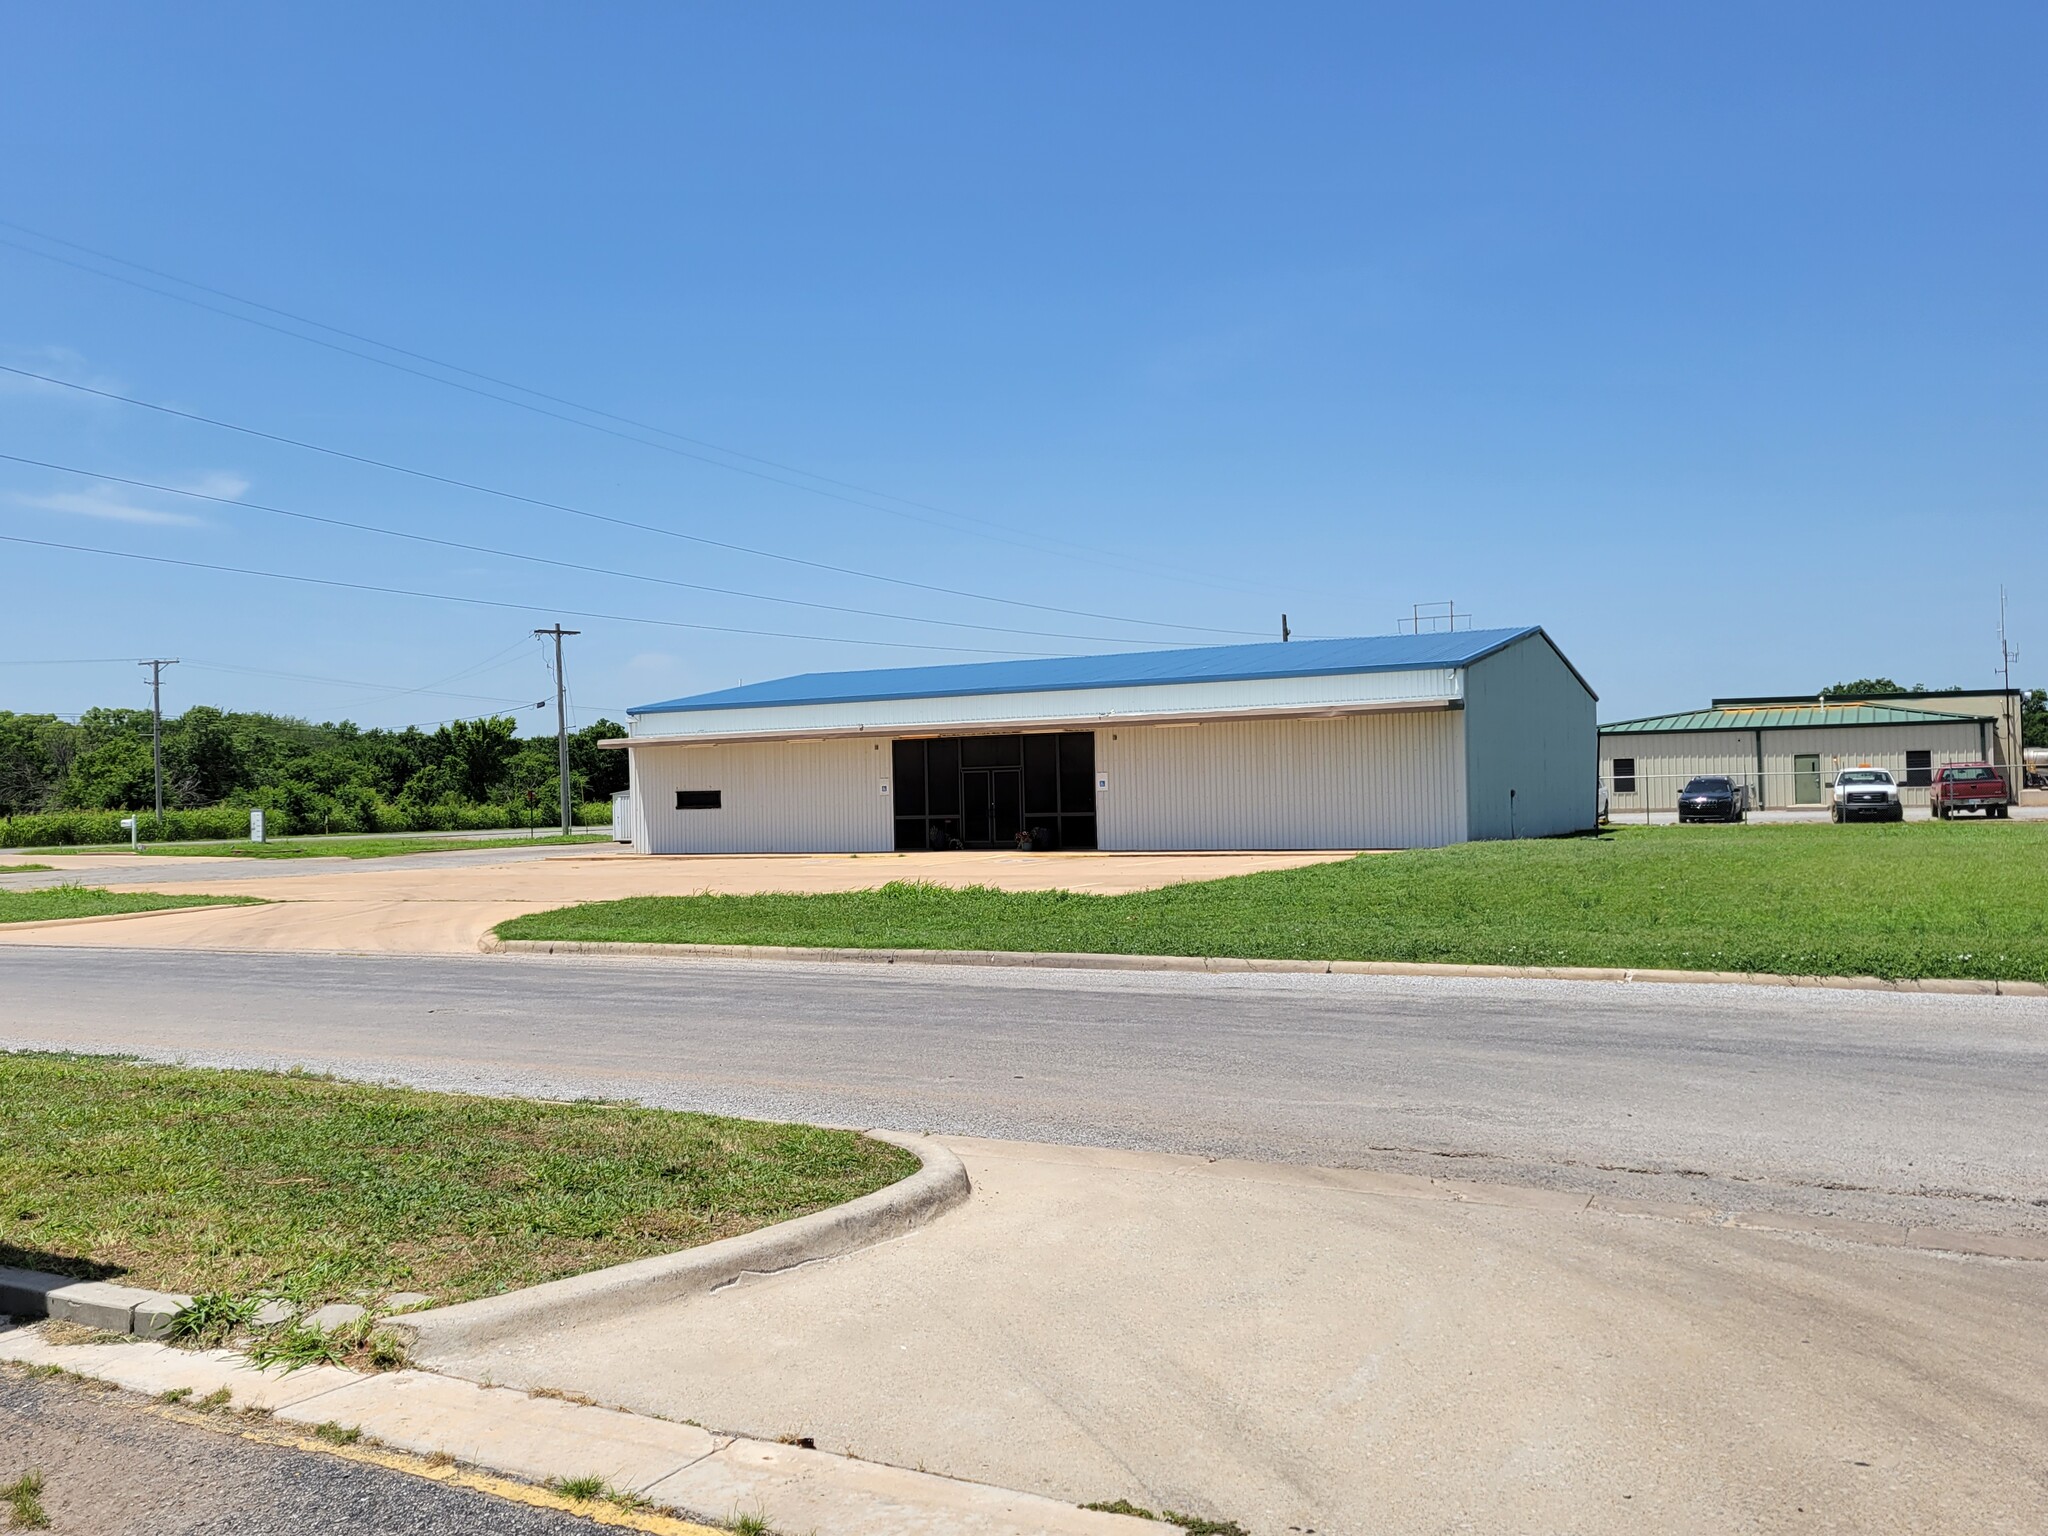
(1956, 986)
(540, 1439)
(939, 1185)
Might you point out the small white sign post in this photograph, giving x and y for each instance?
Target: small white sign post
(256, 826)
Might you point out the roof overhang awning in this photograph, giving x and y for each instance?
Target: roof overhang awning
(925, 729)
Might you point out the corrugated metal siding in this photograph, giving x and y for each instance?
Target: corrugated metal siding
(1664, 762)
(1530, 727)
(1878, 746)
(778, 797)
(1081, 705)
(1359, 781)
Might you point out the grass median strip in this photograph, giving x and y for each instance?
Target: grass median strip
(58, 901)
(1916, 900)
(298, 1186)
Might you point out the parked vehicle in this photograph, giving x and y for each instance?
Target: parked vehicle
(1865, 794)
(2036, 760)
(1967, 787)
(1603, 800)
(1713, 797)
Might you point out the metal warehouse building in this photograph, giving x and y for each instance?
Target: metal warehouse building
(1788, 749)
(1400, 741)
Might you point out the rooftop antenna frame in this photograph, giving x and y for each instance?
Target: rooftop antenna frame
(1441, 618)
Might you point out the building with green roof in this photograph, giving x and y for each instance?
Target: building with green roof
(1787, 749)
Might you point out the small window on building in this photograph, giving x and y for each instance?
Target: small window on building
(1919, 769)
(697, 799)
(1624, 776)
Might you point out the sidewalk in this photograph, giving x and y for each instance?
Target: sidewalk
(424, 908)
(658, 1464)
(1296, 1348)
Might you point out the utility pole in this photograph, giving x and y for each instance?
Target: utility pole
(1286, 634)
(156, 726)
(562, 720)
(2011, 717)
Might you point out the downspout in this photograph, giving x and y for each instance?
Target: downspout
(1763, 800)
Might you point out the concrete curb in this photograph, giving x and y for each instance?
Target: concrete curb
(91, 1303)
(1050, 960)
(35, 924)
(904, 1206)
(538, 1438)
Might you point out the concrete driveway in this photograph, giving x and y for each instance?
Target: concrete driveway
(1308, 1350)
(1659, 1305)
(444, 903)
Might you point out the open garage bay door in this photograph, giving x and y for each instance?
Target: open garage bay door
(1013, 791)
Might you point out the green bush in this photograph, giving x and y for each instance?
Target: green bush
(52, 829)
(306, 814)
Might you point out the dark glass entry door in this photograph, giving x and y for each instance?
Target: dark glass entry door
(964, 791)
(991, 807)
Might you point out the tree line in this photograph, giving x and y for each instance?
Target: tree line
(331, 773)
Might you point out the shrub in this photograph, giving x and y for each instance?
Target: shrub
(350, 811)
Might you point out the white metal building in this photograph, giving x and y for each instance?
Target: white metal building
(1400, 741)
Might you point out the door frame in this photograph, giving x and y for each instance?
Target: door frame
(1799, 778)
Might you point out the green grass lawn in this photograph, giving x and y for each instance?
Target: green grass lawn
(90, 901)
(346, 847)
(283, 1183)
(1919, 899)
(21, 869)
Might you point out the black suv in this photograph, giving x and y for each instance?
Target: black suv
(1713, 797)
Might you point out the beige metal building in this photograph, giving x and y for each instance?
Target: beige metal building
(1393, 741)
(1788, 749)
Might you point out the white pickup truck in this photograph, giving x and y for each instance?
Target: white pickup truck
(1862, 794)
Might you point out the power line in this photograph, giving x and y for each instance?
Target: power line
(567, 565)
(489, 602)
(602, 517)
(346, 682)
(432, 689)
(981, 526)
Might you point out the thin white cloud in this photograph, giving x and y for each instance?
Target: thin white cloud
(125, 504)
(58, 363)
(216, 482)
(109, 503)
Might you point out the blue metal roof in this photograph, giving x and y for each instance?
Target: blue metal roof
(1205, 664)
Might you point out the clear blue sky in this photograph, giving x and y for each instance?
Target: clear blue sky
(1711, 338)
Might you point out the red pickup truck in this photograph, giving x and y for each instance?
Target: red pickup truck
(1967, 787)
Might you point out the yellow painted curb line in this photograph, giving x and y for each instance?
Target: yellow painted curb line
(597, 1511)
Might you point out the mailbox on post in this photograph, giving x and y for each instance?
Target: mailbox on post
(128, 826)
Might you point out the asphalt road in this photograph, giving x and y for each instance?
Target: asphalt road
(1872, 1106)
(111, 1469)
